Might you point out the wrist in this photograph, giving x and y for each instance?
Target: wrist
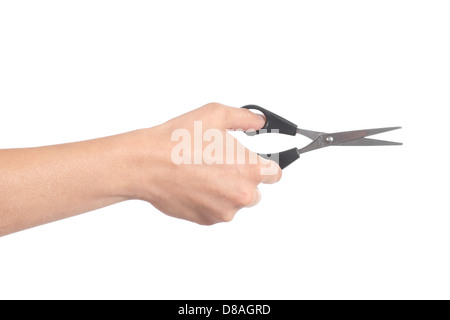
(141, 162)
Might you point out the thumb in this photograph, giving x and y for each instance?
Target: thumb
(243, 119)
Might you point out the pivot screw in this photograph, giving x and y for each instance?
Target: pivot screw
(329, 139)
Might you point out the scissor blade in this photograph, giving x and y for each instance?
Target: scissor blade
(370, 142)
(355, 138)
(339, 138)
(309, 133)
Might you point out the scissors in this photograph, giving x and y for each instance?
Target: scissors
(276, 124)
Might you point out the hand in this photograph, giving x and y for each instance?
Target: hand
(44, 184)
(202, 193)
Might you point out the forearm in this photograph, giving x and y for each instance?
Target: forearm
(44, 184)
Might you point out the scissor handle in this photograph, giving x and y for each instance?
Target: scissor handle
(283, 158)
(274, 123)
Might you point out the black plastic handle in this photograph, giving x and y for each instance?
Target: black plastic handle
(274, 123)
(283, 158)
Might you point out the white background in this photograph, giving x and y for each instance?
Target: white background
(342, 223)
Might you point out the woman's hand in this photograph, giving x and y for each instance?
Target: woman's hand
(188, 167)
(206, 188)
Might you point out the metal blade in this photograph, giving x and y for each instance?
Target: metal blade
(355, 138)
(369, 142)
(309, 133)
(342, 137)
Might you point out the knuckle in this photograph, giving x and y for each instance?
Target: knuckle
(244, 197)
(225, 216)
(215, 108)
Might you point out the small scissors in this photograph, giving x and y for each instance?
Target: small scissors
(276, 124)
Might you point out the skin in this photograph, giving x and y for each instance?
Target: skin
(45, 184)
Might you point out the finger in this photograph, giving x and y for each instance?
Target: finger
(270, 171)
(243, 119)
(256, 198)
